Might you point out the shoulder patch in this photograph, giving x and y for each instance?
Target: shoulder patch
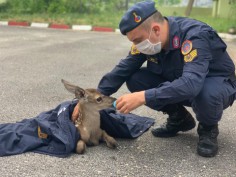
(134, 50)
(186, 47)
(189, 57)
(176, 42)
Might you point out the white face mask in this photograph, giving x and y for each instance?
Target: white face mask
(148, 48)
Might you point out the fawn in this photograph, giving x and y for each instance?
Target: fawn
(87, 118)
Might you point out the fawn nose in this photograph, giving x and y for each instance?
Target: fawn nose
(113, 99)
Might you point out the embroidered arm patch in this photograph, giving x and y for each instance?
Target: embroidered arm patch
(186, 47)
(189, 57)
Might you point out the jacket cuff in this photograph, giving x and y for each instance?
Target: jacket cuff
(150, 98)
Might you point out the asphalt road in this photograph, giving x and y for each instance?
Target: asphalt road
(33, 61)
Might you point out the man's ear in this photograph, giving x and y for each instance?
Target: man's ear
(156, 28)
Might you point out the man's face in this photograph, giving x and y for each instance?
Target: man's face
(140, 34)
(137, 35)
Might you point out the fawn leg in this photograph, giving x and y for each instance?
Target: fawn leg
(110, 141)
(94, 142)
(81, 146)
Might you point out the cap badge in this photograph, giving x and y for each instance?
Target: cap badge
(137, 18)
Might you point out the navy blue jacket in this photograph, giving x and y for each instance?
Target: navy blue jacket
(184, 79)
(53, 133)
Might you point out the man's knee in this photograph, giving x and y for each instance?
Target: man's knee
(216, 95)
(143, 80)
(208, 105)
(132, 83)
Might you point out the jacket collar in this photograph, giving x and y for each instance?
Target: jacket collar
(174, 34)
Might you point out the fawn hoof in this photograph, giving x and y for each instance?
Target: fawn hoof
(112, 143)
(80, 148)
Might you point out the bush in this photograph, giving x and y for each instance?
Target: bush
(83, 6)
(3, 7)
(63, 6)
(25, 6)
(56, 7)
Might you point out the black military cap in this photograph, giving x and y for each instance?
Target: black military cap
(136, 15)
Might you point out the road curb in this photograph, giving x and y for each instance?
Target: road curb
(16, 23)
(59, 26)
(102, 29)
(3, 23)
(39, 25)
(81, 27)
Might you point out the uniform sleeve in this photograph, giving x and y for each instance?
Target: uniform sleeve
(191, 82)
(113, 80)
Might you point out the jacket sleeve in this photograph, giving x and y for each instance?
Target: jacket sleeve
(113, 80)
(190, 83)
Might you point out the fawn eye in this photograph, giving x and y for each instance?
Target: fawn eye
(99, 99)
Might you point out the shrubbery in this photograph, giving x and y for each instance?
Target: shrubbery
(69, 6)
(63, 6)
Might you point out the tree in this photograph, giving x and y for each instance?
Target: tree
(189, 7)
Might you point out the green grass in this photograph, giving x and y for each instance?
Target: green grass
(105, 19)
(219, 24)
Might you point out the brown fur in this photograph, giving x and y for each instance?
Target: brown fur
(87, 118)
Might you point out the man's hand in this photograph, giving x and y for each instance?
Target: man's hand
(129, 102)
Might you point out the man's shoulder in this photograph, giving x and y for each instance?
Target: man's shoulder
(182, 19)
(189, 25)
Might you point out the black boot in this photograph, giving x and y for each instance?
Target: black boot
(207, 144)
(179, 120)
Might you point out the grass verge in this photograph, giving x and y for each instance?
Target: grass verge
(104, 19)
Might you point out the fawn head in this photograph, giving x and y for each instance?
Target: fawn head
(90, 97)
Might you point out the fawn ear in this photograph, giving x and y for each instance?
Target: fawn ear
(79, 92)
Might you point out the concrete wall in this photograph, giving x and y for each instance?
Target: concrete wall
(222, 8)
(225, 9)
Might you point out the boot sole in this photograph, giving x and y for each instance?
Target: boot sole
(169, 135)
(164, 135)
(207, 154)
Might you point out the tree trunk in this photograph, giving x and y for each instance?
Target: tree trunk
(189, 7)
(127, 4)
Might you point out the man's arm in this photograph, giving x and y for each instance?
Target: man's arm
(183, 88)
(113, 80)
